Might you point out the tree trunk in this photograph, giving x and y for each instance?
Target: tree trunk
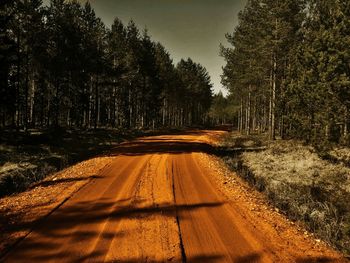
(130, 109)
(345, 132)
(273, 100)
(248, 120)
(57, 104)
(254, 115)
(18, 86)
(90, 103)
(96, 118)
(31, 100)
(26, 90)
(163, 111)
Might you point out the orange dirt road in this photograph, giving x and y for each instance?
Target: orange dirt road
(155, 203)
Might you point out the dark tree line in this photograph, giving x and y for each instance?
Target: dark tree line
(289, 68)
(222, 110)
(61, 66)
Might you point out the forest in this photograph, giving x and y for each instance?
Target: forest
(60, 65)
(288, 71)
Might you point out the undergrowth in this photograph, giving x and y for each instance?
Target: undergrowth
(28, 157)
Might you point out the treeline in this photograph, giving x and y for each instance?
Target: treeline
(289, 69)
(61, 66)
(222, 110)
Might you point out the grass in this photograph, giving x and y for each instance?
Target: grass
(303, 185)
(234, 140)
(341, 155)
(26, 158)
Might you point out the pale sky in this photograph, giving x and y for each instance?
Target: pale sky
(187, 28)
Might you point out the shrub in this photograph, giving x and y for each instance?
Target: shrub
(18, 180)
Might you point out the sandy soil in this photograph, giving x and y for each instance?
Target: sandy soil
(157, 199)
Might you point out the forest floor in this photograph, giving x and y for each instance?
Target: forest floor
(154, 199)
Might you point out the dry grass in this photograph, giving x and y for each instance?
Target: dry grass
(19, 168)
(304, 186)
(341, 154)
(234, 140)
(26, 158)
(291, 162)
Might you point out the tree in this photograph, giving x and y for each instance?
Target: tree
(196, 84)
(60, 66)
(221, 111)
(258, 62)
(321, 97)
(7, 60)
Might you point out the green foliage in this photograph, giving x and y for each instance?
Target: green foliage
(195, 87)
(222, 111)
(313, 98)
(292, 59)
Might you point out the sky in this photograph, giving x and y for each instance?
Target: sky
(187, 28)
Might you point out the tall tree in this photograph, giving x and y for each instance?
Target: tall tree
(258, 61)
(60, 66)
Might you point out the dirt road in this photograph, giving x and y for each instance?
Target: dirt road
(156, 202)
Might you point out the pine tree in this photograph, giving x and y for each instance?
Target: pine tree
(322, 83)
(60, 66)
(258, 62)
(7, 61)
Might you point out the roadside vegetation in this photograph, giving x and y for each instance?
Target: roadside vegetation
(299, 182)
(26, 158)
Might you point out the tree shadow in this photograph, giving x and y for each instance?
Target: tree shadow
(195, 259)
(85, 213)
(320, 259)
(161, 147)
(72, 224)
(47, 183)
(176, 145)
(253, 257)
(202, 258)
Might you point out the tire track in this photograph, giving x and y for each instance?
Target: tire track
(182, 248)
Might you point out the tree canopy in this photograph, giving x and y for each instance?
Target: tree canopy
(288, 68)
(61, 66)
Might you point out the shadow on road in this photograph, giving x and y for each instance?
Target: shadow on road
(160, 147)
(204, 258)
(47, 183)
(178, 143)
(315, 260)
(72, 224)
(175, 144)
(207, 258)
